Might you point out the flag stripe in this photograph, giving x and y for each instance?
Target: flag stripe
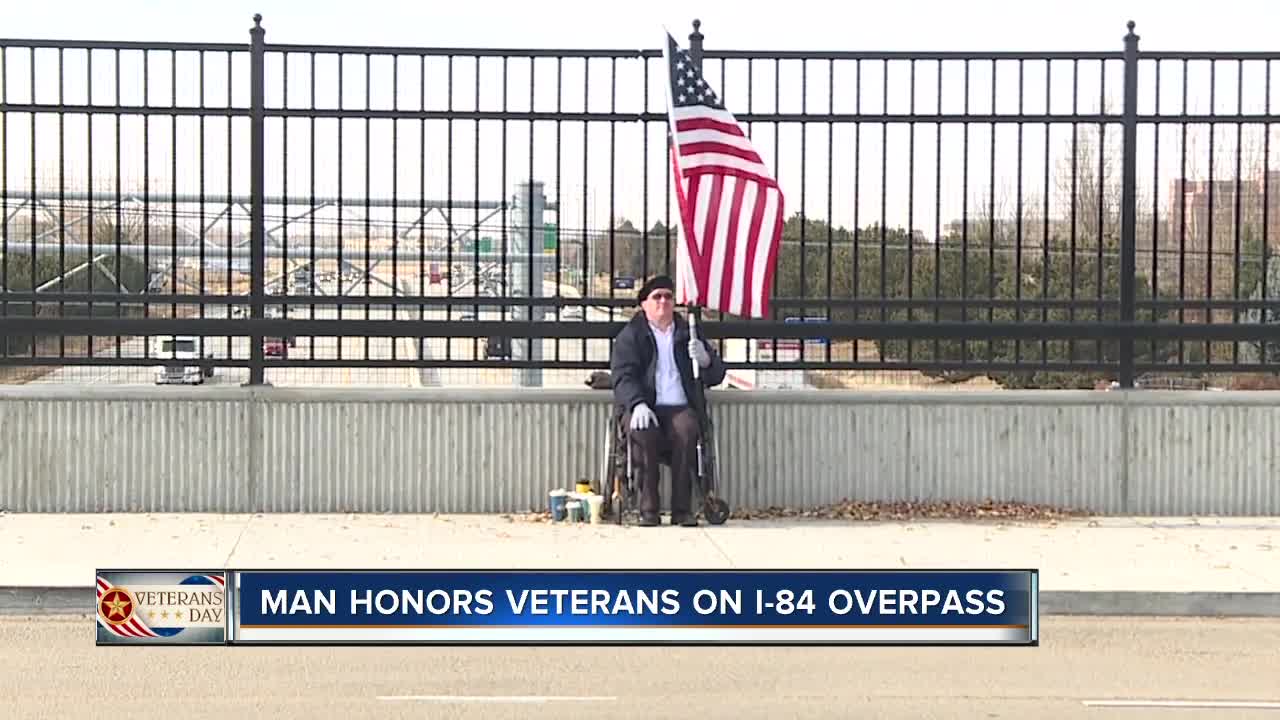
(700, 136)
(686, 286)
(141, 629)
(767, 263)
(722, 127)
(708, 227)
(718, 149)
(729, 290)
(699, 194)
(723, 165)
(753, 242)
(750, 200)
(716, 277)
(702, 112)
(123, 629)
(690, 245)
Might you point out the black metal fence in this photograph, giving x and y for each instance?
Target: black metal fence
(1046, 218)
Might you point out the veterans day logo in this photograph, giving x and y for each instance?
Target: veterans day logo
(161, 607)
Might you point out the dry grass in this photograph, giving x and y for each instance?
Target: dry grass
(1248, 381)
(867, 351)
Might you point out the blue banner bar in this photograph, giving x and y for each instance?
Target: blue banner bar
(542, 601)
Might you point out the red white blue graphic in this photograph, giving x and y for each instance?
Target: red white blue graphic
(142, 606)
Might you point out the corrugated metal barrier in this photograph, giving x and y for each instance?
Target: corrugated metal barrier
(143, 449)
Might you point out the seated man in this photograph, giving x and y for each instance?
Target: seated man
(658, 398)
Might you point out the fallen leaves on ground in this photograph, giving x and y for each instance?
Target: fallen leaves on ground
(913, 510)
(867, 511)
(543, 516)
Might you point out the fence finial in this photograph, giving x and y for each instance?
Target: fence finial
(257, 20)
(695, 44)
(1131, 25)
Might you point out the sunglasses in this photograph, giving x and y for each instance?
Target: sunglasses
(660, 296)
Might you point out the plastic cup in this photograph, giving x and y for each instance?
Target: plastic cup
(558, 500)
(596, 505)
(574, 508)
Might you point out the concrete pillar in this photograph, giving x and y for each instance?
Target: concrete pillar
(526, 267)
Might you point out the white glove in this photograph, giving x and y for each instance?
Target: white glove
(699, 352)
(642, 417)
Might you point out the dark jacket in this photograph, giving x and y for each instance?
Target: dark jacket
(634, 364)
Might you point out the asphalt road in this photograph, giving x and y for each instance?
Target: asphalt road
(53, 670)
(320, 348)
(375, 348)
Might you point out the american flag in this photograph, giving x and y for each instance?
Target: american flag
(730, 203)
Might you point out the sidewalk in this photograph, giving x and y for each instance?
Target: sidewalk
(1102, 555)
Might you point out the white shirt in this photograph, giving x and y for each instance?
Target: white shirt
(667, 374)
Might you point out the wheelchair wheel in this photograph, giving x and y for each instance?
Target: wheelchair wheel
(716, 510)
(714, 507)
(608, 464)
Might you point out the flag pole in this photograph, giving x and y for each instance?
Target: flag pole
(695, 309)
(694, 312)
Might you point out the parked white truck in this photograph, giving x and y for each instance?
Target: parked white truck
(182, 360)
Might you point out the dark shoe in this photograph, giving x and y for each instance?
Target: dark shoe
(685, 520)
(649, 520)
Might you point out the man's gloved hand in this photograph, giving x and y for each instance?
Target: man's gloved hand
(699, 352)
(642, 417)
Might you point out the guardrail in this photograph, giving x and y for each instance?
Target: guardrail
(239, 450)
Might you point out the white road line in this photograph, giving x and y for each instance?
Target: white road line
(1202, 704)
(498, 698)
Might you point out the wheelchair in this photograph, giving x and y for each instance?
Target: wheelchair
(619, 483)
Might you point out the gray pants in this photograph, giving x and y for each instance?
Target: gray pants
(677, 432)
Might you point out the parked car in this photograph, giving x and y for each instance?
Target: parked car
(182, 361)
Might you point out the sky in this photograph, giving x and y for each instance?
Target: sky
(602, 176)
(807, 24)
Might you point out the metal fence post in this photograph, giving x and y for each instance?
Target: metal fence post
(1129, 203)
(257, 222)
(695, 46)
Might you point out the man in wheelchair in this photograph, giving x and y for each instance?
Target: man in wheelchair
(657, 398)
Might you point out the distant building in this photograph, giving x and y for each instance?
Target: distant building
(1204, 219)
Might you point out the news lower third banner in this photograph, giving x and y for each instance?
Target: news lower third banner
(837, 607)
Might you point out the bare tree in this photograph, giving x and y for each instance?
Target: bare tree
(1089, 183)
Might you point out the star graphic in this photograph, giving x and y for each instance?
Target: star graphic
(117, 605)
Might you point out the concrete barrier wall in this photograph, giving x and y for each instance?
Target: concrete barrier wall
(127, 449)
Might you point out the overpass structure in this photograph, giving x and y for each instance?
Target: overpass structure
(424, 450)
